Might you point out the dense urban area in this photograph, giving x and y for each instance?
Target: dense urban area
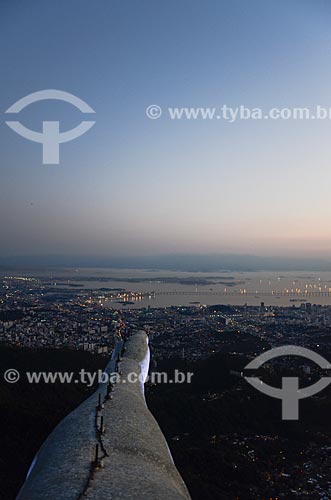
(227, 439)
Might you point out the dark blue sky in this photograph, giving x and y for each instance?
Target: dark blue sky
(137, 186)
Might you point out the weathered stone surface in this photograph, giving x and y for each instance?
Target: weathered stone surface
(134, 459)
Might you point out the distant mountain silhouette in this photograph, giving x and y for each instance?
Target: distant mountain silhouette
(176, 262)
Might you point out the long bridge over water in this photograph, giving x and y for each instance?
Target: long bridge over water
(236, 293)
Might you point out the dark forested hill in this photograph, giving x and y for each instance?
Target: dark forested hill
(29, 412)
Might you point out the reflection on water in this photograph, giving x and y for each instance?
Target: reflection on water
(167, 288)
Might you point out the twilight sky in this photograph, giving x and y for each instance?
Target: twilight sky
(135, 186)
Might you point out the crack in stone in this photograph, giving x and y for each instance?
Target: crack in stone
(99, 431)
